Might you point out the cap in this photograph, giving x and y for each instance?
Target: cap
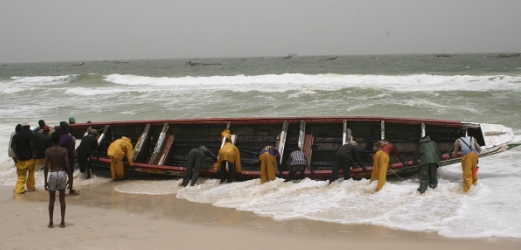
(93, 132)
(72, 120)
(46, 128)
(24, 124)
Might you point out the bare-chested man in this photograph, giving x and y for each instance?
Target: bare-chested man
(59, 178)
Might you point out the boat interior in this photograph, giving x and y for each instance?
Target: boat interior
(168, 144)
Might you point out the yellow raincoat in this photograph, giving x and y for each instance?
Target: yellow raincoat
(116, 151)
(230, 153)
(268, 167)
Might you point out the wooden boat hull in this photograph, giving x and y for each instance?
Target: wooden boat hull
(161, 146)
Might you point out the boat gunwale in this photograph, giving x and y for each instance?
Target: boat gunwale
(275, 120)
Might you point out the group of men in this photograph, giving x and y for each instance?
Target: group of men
(51, 150)
(427, 155)
(228, 162)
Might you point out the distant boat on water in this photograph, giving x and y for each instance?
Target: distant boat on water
(120, 61)
(332, 58)
(78, 64)
(443, 55)
(201, 64)
(509, 55)
(289, 56)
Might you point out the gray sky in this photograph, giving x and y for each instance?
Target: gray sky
(51, 30)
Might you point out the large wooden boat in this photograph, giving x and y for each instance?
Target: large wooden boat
(162, 146)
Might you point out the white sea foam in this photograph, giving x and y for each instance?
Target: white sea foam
(42, 80)
(327, 82)
(492, 208)
(148, 187)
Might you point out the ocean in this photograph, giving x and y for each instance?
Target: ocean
(467, 87)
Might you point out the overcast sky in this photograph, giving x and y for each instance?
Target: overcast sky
(41, 31)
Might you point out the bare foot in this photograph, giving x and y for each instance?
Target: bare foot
(50, 225)
(62, 225)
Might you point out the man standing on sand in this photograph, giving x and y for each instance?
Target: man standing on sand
(10, 152)
(195, 163)
(429, 155)
(116, 151)
(68, 142)
(23, 147)
(469, 162)
(57, 157)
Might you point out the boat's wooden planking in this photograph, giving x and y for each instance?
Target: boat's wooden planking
(323, 137)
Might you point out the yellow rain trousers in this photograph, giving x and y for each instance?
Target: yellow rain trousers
(117, 150)
(117, 169)
(469, 163)
(380, 164)
(268, 165)
(22, 168)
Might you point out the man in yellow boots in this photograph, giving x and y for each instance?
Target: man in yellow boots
(23, 147)
(117, 150)
(469, 161)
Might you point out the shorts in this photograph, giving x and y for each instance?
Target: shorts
(57, 181)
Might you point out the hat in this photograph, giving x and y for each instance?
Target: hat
(72, 120)
(24, 124)
(46, 128)
(64, 126)
(93, 131)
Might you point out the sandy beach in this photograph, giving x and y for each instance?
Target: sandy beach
(101, 218)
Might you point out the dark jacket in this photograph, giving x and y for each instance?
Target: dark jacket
(67, 142)
(427, 152)
(205, 152)
(349, 151)
(23, 145)
(87, 146)
(42, 142)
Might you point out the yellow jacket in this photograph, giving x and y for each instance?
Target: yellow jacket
(230, 153)
(121, 148)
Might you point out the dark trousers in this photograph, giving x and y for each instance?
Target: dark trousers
(227, 174)
(84, 163)
(293, 169)
(341, 162)
(428, 176)
(194, 163)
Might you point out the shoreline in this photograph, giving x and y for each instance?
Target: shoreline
(102, 218)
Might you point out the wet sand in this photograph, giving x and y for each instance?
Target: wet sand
(101, 218)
